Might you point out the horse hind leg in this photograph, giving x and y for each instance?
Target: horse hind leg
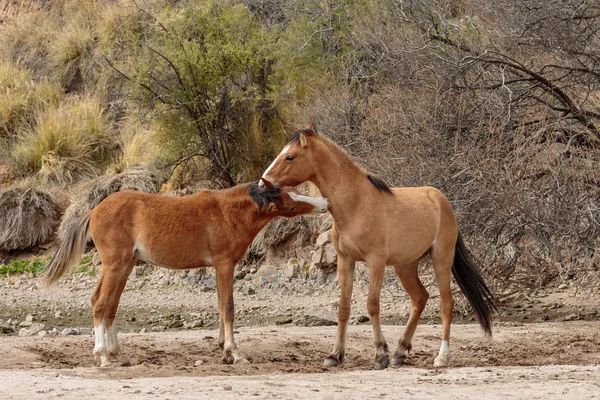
(105, 301)
(112, 342)
(442, 258)
(409, 278)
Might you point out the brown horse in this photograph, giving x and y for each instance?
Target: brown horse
(384, 226)
(210, 228)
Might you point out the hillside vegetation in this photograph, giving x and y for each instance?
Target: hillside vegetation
(497, 103)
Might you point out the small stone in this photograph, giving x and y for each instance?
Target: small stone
(68, 332)
(240, 275)
(284, 320)
(249, 290)
(362, 318)
(316, 257)
(24, 332)
(198, 363)
(58, 314)
(85, 331)
(29, 318)
(6, 329)
(42, 333)
(143, 330)
(25, 324)
(227, 387)
(330, 254)
(323, 238)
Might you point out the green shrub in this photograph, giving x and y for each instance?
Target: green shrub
(24, 266)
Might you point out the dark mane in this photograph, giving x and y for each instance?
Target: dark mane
(381, 185)
(263, 196)
(296, 135)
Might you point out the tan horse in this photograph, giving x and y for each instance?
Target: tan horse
(384, 226)
(210, 228)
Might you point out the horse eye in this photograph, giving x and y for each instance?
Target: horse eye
(289, 158)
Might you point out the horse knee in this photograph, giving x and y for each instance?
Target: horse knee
(420, 302)
(373, 306)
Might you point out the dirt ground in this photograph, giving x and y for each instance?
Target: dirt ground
(544, 360)
(545, 344)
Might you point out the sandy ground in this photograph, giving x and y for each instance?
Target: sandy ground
(545, 345)
(544, 360)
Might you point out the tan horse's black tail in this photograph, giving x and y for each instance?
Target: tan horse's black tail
(471, 282)
(68, 254)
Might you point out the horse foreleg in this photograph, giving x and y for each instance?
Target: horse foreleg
(345, 270)
(376, 271)
(227, 311)
(442, 266)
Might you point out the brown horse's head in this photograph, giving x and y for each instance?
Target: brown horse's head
(295, 163)
(285, 201)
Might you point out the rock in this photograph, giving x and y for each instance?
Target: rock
(315, 259)
(85, 331)
(42, 333)
(570, 317)
(227, 387)
(330, 255)
(25, 324)
(284, 320)
(29, 318)
(198, 363)
(143, 330)
(6, 329)
(323, 238)
(210, 285)
(24, 332)
(317, 318)
(562, 286)
(240, 275)
(292, 268)
(58, 314)
(68, 331)
(159, 328)
(249, 290)
(363, 318)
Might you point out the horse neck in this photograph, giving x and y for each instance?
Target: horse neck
(248, 217)
(340, 180)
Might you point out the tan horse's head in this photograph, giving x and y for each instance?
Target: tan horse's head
(285, 201)
(295, 163)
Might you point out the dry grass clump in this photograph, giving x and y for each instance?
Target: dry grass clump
(21, 96)
(139, 145)
(138, 178)
(29, 218)
(67, 142)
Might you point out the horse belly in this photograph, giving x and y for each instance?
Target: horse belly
(173, 257)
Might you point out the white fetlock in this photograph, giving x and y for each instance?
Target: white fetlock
(443, 358)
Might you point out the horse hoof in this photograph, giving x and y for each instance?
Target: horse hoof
(241, 361)
(440, 362)
(398, 360)
(331, 361)
(382, 362)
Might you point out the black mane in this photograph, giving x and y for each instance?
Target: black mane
(263, 196)
(381, 185)
(296, 135)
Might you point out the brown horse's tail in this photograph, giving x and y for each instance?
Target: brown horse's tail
(471, 282)
(67, 256)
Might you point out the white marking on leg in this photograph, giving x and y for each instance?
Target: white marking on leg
(100, 343)
(321, 204)
(443, 358)
(111, 340)
(285, 149)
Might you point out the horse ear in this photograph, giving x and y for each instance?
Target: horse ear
(267, 183)
(311, 127)
(303, 140)
(272, 207)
